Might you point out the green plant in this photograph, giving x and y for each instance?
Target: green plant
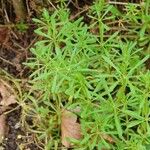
(22, 27)
(105, 76)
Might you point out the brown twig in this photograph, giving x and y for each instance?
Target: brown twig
(20, 9)
(75, 16)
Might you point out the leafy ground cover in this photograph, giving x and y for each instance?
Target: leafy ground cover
(88, 84)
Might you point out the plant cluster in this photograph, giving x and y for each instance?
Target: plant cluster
(103, 73)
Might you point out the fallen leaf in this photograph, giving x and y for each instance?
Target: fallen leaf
(7, 96)
(3, 127)
(69, 128)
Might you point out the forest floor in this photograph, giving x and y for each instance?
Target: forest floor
(131, 18)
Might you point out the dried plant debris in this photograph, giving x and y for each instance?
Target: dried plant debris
(3, 34)
(108, 138)
(3, 127)
(7, 97)
(70, 128)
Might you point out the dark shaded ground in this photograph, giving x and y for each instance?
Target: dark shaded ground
(13, 52)
(13, 120)
(14, 49)
(17, 137)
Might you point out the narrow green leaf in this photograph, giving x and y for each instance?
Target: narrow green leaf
(54, 83)
(138, 64)
(118, 125)
(133, 114)
(133, 123)
(108, 60)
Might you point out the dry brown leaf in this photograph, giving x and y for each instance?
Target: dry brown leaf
(7, 96)
(3, 127)
(69, 127)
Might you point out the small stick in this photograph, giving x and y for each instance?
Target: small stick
(7, 61)
(75, 16)
(122, 3)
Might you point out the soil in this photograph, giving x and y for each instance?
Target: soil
(14, 49)
(16, 135)
(13, 52)
(13, 121)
